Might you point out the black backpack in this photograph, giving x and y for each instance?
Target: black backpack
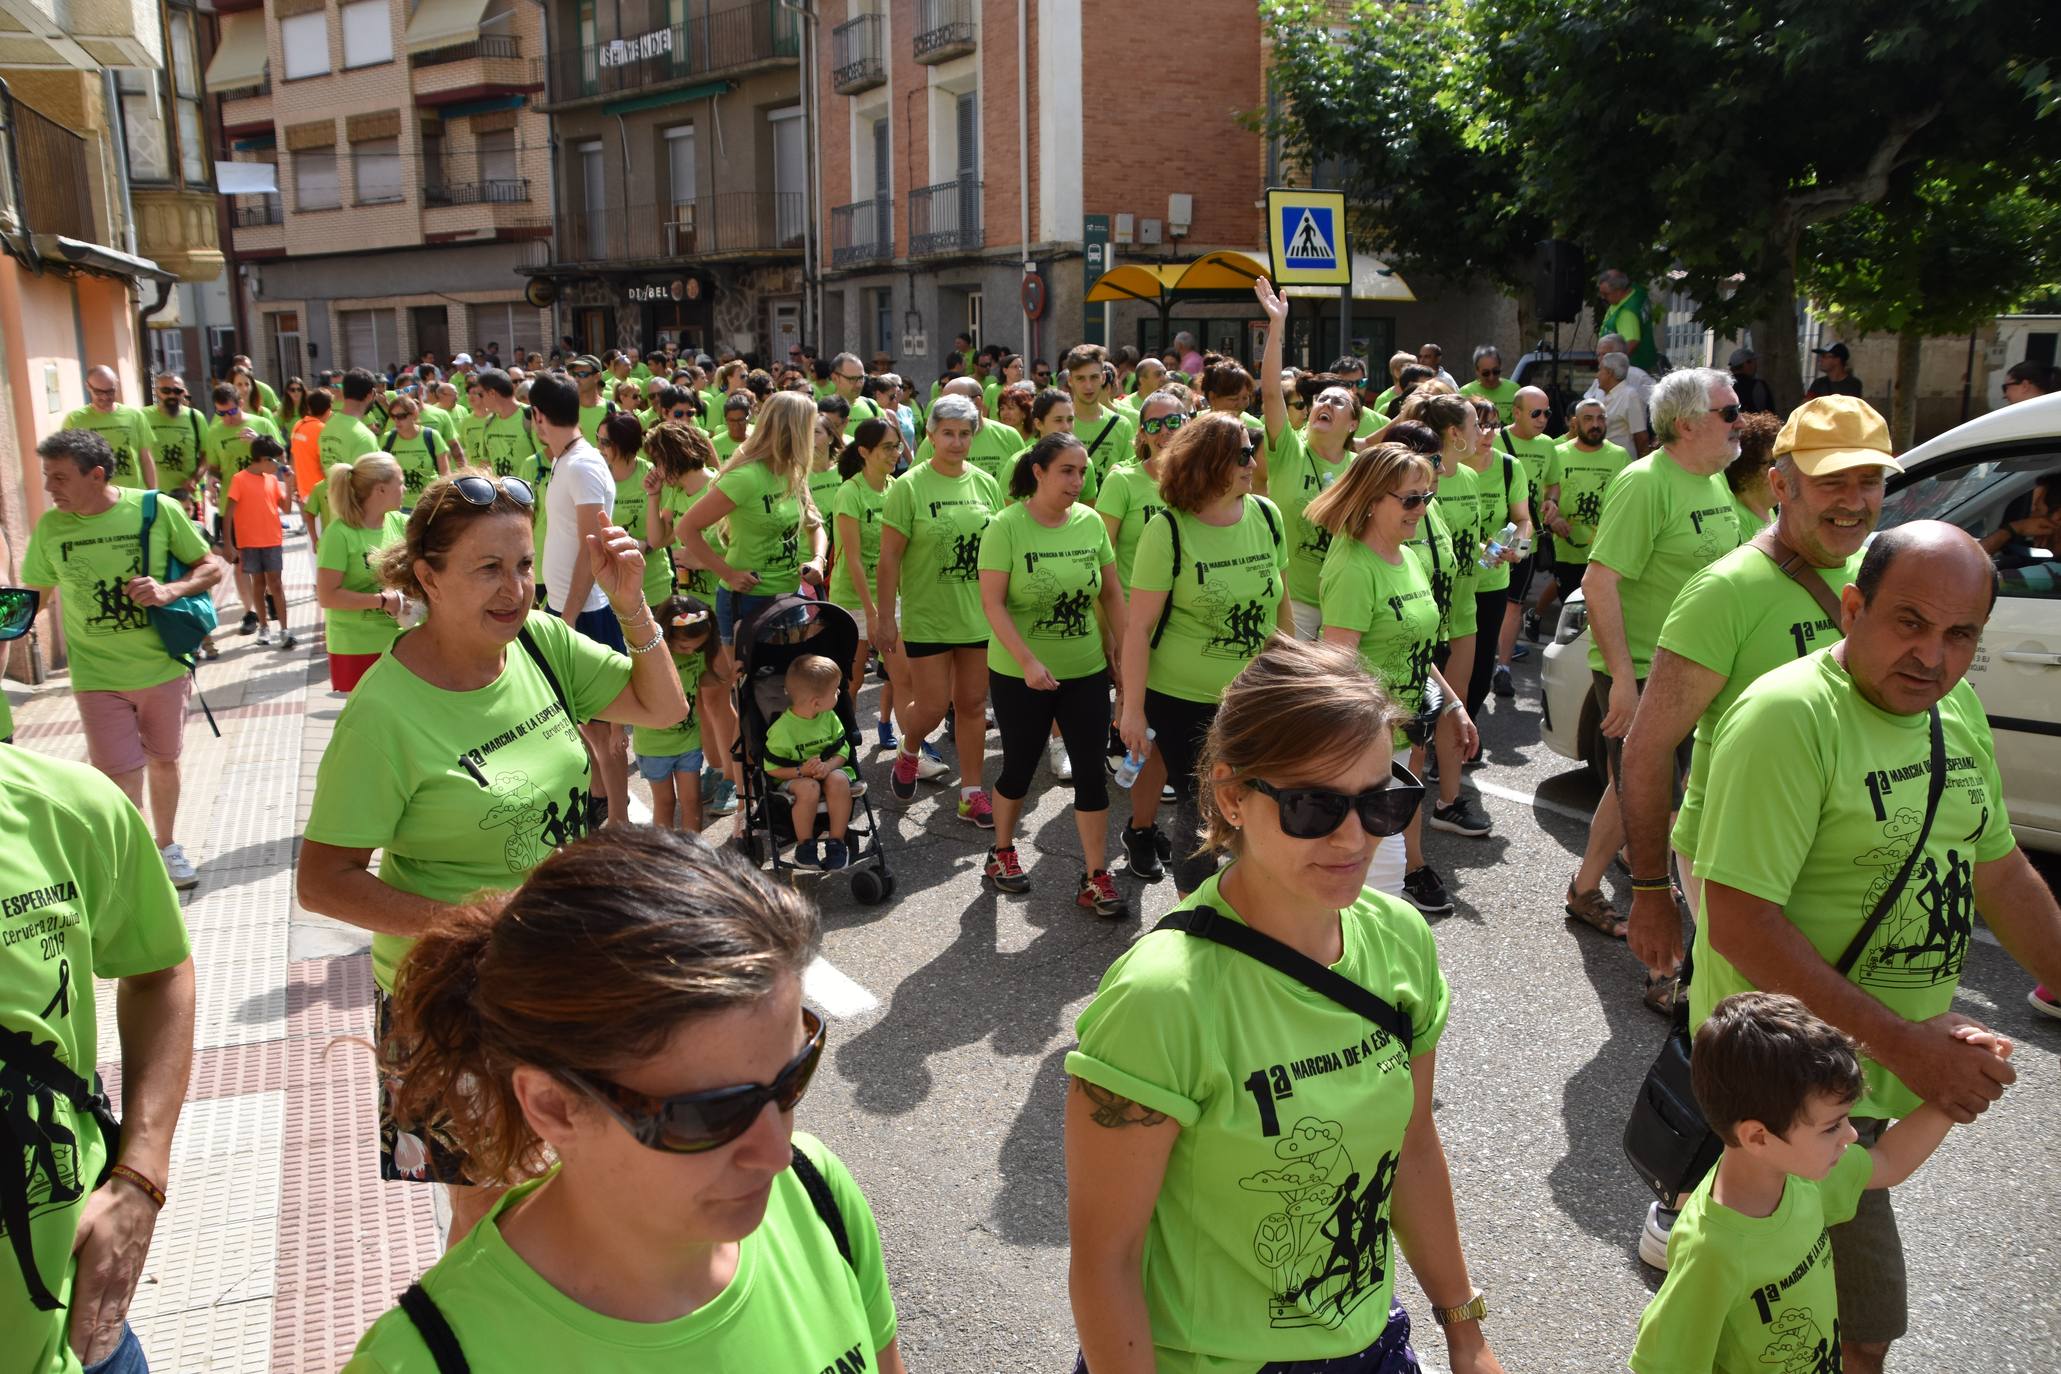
(1166, 513)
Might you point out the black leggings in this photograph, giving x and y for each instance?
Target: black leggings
(1179, 728)
(1024, 717)
(1488, 628)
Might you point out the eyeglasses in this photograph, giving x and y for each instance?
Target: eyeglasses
(1413, 499)
(1298, 404)
(1248, 455)
(695, 1123)
(1538, 414)
(101, 390)
(1169, 423)
(851, 376)
(479, 491)
(1311, 813)
(582, 373)
(167, 393)
(1729, 414)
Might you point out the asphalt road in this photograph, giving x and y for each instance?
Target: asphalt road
(945, 1098)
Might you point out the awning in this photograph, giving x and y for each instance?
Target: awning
(95, 257)
(239, 60)
(443, 24)
(704, 91)
(1158, 283)
(246, 178)
(1373, 280)
(1135, 281)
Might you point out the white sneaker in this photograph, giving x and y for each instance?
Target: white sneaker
(1653, 1235)
(1062, 765)
(181, 869)
(264, 635)
(929, 765)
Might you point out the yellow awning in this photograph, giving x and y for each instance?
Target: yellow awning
(239, 60)
(443, 24)
(1136, 281)
(1221, 271)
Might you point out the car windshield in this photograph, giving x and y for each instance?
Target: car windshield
(1977, 496)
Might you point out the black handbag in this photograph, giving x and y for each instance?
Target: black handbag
(1666, 1138)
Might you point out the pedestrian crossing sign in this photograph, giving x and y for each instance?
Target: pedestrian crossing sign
(1306, 237)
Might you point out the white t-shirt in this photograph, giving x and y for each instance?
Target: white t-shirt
(1624, 414)
(580, 477)
(1638, 378)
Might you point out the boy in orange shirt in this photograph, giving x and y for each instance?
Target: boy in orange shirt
(306, 442)
(256, 535)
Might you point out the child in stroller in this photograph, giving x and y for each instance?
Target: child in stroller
(806, 752)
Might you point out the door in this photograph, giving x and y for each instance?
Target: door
(286, 344)
(883, 186)
(593, 201)
(969, 171)
(790, 177)
(786, 313)
(432, 332)
(591, 330)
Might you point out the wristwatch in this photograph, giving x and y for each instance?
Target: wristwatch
(1473, 1310)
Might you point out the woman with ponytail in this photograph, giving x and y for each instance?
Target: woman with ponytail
(866, 465)
(361, 616)
(623, 1042)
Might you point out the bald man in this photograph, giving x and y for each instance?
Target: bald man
(125, 427)
(1822, 785)
(1523, 438)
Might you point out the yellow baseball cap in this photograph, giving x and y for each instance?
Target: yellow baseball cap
(1830, 434)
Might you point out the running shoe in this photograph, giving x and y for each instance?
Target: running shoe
(724, 800)
(1003, 870)
(1463, 817)
(2044, 1002)
(1660, 1221)
(808, 854)
(1167, 795)
(709, 778)
(179, 867)
(1532, 627)
(1423, 889)
(287, 642)
(1141, 852)
(208, 650)
(1062, 762)
(835, 855)
(265, 636)
(902, 780)
(1098, 894)
(886, 736)
(931, 765)
(975, 809)
(1520, 651)
(249, 625)
(1500, 683)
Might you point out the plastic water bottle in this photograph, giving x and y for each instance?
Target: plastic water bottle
(1127, 771)
(1493, 552)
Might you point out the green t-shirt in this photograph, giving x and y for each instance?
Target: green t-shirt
(315, 505)
(229, 451)
(1582, 476)
(1752, 1295)
(1820, 846)
(1110, 446)
(1371, 419)
(1055, 579)
(1129, 496)
(345, 439)
(1496, 490)
(1631, 319)
(179, 445)
(823, 485)
(82, 896)
(1296, 474)
(685, 737)
(1741, 617)
(591, 418)
(349, 549)
(689, 580)
(501, 443)
(629, 511)
(724, 445)
(1460, 509)
(127, 431)
(864, 409)
(793, 1304)
(463, 791)
(1270, 1240)
(1503, 394)
(793, 740)
(1225, 602)
(1432, 548)
(943, 519)
(1661, 525)
(765, 528)
(856, 499)
(1391, 605)
(443, 422)
(418, 460)
(90, 559)
(1749, 523)
(1535, 454)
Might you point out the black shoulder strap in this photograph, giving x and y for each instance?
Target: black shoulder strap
(1207, 923)
(1103, 433)
(825, 1202)
(1859, 944)
(30, 1069)
(386, 440)
(436, 1333)
(536, 654)
(1266, 511)
(1166, 608)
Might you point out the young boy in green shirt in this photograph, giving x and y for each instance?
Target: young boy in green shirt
(806, 749)
(1750, 1281)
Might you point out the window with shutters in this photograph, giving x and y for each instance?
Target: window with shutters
(497, 164)
(790, 172)
(314, 180)
(304, 45)
(368, 33)
(376, 171)
(372, 339)
(518, 328)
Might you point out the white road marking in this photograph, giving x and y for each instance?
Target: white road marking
(1511, 794)
(831, 990)
(640, 810)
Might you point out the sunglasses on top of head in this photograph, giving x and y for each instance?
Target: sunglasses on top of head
(694, 1123)
(1311, 813)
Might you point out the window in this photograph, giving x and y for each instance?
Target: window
(304, 45)
(167, 351)
(196, 164)
(680, 163)
(372, 339)
(790, 174)
(497, 164)
(314, 180)
(435, 177)
(593, 183)
(883, 303)
(516, 327)
(143, 125)
(973, 317)
(376, 171)
(368, 33)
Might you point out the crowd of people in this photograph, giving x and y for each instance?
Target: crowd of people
(1271, 606)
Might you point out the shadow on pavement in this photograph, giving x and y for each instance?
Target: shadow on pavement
(1030, 1209)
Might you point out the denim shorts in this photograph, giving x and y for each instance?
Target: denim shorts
(125, 1358)
(733, 609)
(659, 767)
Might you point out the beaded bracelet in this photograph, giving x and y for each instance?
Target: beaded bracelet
(144, 1185)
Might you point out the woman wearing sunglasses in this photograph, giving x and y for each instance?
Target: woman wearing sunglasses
(1302, 462)
(630, 1026)
(457, 756)
(1228, 1215)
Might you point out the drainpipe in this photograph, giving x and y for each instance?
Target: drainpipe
(1023, 156)
(111, 95)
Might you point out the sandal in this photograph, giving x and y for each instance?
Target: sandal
(1593, 909)
(1662, 990)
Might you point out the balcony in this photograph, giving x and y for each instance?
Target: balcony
(504, 191)
(944, 30)
(487, 45)
(945, 219)
(179, 231)
(488, 65)
(759, 34)
(52, 161)
(858, 58)
(862, 234)
(250, 212)
(736, 224)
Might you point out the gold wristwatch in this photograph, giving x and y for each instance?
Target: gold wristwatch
(1473, 1310)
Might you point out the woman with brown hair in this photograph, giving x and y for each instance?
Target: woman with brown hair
(1753, 495)
(623, 1041)
(1187, 635)
(1216, 1221)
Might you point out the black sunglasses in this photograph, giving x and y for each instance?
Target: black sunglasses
(695, 1123)
(1729, 414)
(1412, 500)
(479, 491)
(1248, 455)
(1298, 404)
(1311, 813)
(1169, 423)
(1538, 414)
(1490, 372)
(17, 611)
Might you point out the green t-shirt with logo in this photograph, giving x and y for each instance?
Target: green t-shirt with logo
(90, 559)
(418, 460)
(629, 511)
(127, 431)
(724, 445)
(1391, 606)
(1749, 523)
(1854, 780)
(1130, 496)
(1534, 454)
(443, 422)
(178, 445)
(348, 549)
(1225, 599)
(793, 740)
(82, 896)
(856, 500)
(793, 1303)
(690, 580)
(1270, 1240)
(943, 519)
(1741, 617)
(823, 485)
(1503, 395)
(765, 527)
(229, 451)
(1582, 476)
(463, 791)
(1296, 474)
(1433, 550)
(502, 444)
(1459, 506)
(1497, 489)
(672, 741)
(1055, 580)
(591, 418)
(1110, 446)
(1661, 526)
(345, 439)
(1752, 1295)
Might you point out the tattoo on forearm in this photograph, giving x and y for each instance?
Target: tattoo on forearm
(1114, 1111)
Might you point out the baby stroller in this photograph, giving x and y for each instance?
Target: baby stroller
(782, 631)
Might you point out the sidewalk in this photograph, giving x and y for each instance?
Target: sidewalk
(279, 1244)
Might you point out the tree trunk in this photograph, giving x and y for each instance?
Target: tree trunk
(1903, 395)
(1774, 338)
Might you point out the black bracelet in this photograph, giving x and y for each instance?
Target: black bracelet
(1652, 885)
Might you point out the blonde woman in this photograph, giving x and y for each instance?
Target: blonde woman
(361, 616)
(763, 491)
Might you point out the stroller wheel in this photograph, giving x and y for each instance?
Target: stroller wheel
(868, 887)
(887, 882)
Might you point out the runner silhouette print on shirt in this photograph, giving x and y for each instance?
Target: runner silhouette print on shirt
(1924, 939)
(964, 565)
(1057, 612)
(1327, 1245)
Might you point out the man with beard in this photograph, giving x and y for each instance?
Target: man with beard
(1571, 500)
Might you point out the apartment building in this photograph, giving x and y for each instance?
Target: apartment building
(412, 173)
(684, 198)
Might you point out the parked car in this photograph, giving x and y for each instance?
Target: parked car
(1565, 377)
(1978, 476)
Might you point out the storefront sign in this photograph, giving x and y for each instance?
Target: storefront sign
(672, 291)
